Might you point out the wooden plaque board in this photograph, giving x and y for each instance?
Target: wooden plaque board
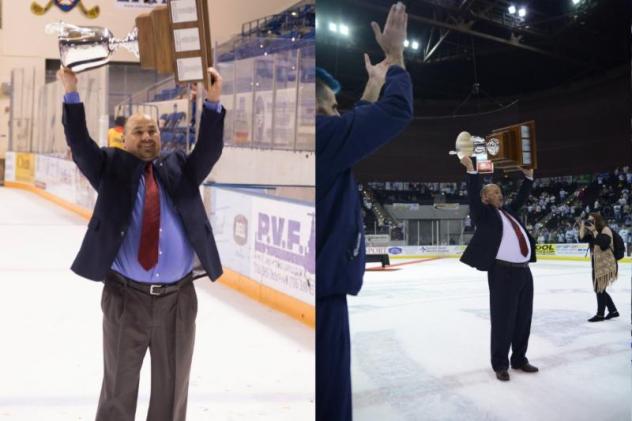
(146, 41)
(163, 39)
(176, 38)
(155, 40)
(190, 40)
(517, 147)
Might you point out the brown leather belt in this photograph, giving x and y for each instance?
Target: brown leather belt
(511, 264)
(151, 289)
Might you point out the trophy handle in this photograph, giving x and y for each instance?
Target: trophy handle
(130, 42)
(62, 29)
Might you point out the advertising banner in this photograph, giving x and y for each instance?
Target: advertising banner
(271, 241)
(284, 254)
(545, 249)
(25, 167)
(63, 179)
(376, 250)
(441, 250)
(9, 166)
(140, 4)
(230, 216)
(571, 249)
(568, 251)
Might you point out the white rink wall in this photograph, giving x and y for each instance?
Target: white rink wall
(564, 251)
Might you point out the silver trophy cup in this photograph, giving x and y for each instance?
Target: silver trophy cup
(87, 47)
(477, 147)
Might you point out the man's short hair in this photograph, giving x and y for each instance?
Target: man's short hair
(120, 121)
(487, 187)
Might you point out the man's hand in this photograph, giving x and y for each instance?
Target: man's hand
(377, 75)
(527, 172)
(214, 92)
(68, 78)
(376, 72)
(391, 40)
(466, 161)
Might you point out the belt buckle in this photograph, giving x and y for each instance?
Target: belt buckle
(151, 290)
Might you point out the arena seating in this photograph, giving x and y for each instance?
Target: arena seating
(552, 213)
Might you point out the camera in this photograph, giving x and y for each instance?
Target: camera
(588, 223)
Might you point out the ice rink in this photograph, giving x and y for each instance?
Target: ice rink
(250, 362)
(420, 347)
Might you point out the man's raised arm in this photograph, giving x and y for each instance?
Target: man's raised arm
(85, 152)
(523, 193)
(210, 142)
(474, 186)
(373, 122)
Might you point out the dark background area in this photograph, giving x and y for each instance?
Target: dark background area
(566, 67)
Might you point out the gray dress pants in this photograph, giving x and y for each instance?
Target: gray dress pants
(134, 321)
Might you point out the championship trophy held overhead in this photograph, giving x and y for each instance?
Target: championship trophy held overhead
(169, 39)
(509, 148)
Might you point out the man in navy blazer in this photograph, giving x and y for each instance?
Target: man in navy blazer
(341, 142)
(503, 248)
(148, 226)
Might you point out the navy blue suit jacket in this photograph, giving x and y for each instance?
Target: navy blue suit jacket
(115, 175)
(483, 248)
(341, 142)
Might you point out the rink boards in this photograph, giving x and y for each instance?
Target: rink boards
(568, 252)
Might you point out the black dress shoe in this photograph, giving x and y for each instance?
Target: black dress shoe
(597, 318)
(528, 368)
(502, 375)
(612, 315)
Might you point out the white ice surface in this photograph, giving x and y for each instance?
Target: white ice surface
(250, 362)
(420, 348)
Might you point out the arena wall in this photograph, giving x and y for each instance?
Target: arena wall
(567, 251)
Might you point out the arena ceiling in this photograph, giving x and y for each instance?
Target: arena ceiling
(464, 42)
(478, 67)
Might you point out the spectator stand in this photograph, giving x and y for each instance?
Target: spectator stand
(558, 204)
(269, 82)
(552, 213)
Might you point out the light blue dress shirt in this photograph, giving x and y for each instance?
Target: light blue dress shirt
(175, 253)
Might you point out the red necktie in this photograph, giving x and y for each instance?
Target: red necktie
(521, 240)
(148, 248)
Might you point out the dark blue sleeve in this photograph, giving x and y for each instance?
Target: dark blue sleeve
(209, 145)
(360, 132)
(473, 182)
(523, 195)
(85, 152)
